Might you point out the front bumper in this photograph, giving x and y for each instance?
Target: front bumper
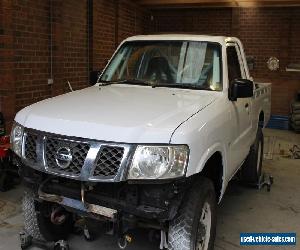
(148, 201)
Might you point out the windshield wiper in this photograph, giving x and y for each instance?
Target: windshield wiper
(181, 86)
(146, 83)
(127, 81)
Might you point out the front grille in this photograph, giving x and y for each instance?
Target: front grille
(109, 161)
(67, 156)
(30, 147)
(78, 152)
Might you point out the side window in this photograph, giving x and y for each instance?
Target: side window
(234, 69)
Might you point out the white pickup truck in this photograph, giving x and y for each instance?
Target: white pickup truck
(152, 143)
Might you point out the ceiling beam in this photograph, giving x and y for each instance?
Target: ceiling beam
(217, 3)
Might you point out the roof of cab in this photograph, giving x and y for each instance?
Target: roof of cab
(184, 37)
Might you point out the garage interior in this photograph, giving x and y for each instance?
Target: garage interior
(46, 43)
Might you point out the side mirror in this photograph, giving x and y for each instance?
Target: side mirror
(240, 88)
(94, 75)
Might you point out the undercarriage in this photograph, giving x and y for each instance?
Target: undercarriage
(126, 205)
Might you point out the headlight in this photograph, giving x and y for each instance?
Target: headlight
(16, 138)
(158, 162)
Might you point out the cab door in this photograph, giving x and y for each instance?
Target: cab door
(240, 111)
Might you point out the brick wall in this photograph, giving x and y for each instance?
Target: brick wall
(265, 32)
(31, 51)
(270, 32)
(104, 31)
(7, 94)
(25, 45)
(75, 44)
(294, 51)
(132, 19)
(200, 21)
(113, 21)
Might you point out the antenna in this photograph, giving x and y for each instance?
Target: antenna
(70, 86)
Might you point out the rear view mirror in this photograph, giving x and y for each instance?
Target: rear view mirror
(94, 75)
(240, 88)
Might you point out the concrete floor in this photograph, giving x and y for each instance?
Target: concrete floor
(243, 209)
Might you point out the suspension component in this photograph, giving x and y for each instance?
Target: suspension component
(86, 233)
(163, 240)
(61, 245)
(58, 216)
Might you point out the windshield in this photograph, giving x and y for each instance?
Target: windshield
(190, 64)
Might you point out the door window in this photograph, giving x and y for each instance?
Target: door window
(234, 69)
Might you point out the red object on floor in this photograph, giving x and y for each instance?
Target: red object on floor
(4, 146)
(4, 140)
(3, 152)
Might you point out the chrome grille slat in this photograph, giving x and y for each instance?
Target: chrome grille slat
(109, 161)
(31, 147)
(79, 152)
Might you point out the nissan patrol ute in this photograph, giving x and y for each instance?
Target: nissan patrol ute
(152, 143)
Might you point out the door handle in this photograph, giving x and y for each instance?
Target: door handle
(247, 105)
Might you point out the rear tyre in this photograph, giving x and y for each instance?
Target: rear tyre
(252, 167)
(37, 222)
(194, 226)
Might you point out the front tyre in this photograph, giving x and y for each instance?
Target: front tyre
(37, 220)
(194, 226)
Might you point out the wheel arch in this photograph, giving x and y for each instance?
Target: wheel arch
(261, 119)
(214, 167)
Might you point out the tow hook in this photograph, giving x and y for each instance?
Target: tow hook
(124, 241)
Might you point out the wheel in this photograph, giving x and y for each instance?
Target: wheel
(37, 220)
(194, 226)
(252, 167)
